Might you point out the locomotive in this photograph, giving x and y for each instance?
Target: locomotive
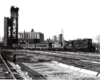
(80, 45)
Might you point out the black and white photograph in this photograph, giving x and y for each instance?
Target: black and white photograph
(50, 40)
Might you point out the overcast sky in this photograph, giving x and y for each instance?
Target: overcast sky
(77, 18)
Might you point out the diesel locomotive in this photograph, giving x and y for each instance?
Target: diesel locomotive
(80, 45)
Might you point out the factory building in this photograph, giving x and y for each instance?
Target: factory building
(30, 37)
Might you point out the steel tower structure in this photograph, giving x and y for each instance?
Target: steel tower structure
(11, 28)
(14, 25)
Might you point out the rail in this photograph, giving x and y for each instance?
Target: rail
(7, 67)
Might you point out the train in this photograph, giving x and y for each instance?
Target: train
(80, 45)
(72, 45)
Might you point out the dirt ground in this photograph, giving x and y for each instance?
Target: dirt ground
(52, 72)
(41, 63)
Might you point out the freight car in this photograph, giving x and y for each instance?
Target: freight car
(80, 45)
(73, 45)
(44, 46)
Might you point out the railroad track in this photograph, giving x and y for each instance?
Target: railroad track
(5, 70)
(70, 59)
(43, 57)
(23, 69)
(81, 61)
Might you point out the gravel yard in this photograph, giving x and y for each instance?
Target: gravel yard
(41, 63)
(82, 61)
(52, 72)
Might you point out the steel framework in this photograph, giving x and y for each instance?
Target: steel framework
(11, 27)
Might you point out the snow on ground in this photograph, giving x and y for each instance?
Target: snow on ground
(53, 72)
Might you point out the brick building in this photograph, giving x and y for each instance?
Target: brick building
(30, 37)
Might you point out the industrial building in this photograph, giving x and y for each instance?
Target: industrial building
(30, 37)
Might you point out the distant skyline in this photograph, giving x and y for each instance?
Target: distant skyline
(78, 18)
